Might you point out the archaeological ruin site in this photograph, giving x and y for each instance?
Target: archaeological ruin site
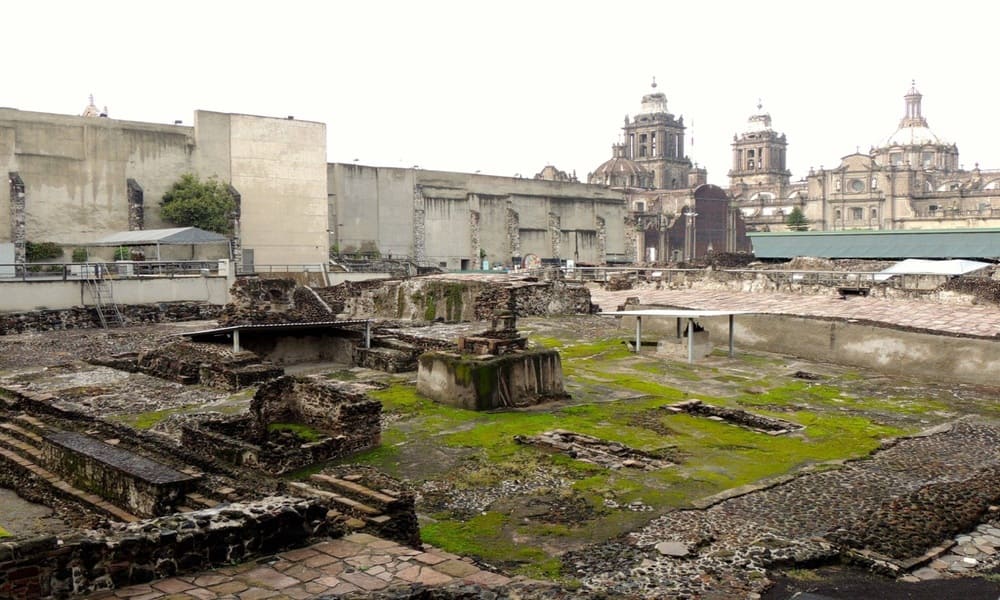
(715, 432)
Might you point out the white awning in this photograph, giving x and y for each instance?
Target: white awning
(918, 266)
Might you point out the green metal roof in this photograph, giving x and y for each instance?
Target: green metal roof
(914, 243)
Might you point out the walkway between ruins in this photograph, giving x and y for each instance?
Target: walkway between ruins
(975, 320)
(356, 563)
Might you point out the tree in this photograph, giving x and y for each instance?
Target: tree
(191, 202)
(796, 220)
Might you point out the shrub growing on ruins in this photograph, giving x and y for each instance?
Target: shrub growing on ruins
(191, 202)
(80, 255)
(39, 251)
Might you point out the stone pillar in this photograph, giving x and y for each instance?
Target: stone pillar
(419, 226)
(602, 240)
(136, 218)
(513, 232)
(18, 226)
(555, 235)
(236, 241)
(474, 239)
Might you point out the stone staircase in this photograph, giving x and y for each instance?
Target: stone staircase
(21, 444)
(23, 438)
(388, 354)
(361, 508)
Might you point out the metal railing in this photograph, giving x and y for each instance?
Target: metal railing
(119, 270)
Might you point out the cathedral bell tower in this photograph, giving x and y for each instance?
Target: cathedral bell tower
(654, 139)
(759, 155)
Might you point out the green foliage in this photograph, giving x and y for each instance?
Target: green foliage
(80, 255)
(191, 202)
(303, 432)
(4, 533)
(796, 220)
(334, 251)
(122, 253)
(39, 251)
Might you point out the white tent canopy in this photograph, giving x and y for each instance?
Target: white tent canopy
(918, 266)
(176, 236)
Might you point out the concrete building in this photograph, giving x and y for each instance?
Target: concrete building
(74, 179)
(456, 220)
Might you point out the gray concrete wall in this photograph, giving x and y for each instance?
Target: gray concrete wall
(376, 206)
(881, 349)
(75, 171)
(279, 168)
(20, 296)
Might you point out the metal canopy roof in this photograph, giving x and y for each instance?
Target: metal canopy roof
(916, 243)
(917, 266)
(275, 327)
(175, 236)
(680, 313)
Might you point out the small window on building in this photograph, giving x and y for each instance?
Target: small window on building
(896, 158)
(640, 207)
(836, 215)
(652, 144)
(836, 185)
(642, 150)
(750, 164)
(857, 213)
(927, 159)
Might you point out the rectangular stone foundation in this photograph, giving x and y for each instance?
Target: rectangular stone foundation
(486, 383)
(139, 485)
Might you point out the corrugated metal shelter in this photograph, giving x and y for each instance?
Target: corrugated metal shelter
(175, 236)
(916, 243)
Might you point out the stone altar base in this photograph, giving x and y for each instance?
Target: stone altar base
(489, 382)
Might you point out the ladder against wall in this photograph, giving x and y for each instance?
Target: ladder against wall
(102, 291)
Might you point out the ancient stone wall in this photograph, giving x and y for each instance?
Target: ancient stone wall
(272, 300)
(457, 299)
(209, 364)
(87, 318)
(323, 407)
(59, 567)
(137, 484)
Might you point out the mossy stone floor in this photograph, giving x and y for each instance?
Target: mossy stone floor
(485, 495)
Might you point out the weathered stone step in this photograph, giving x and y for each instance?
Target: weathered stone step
(200, 501)
(67, 489)
(354, 490)
(343, 502)
(21, 447)
(31, 423)
(25, 435)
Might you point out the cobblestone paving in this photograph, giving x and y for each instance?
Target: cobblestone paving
(978, 320)
(356, 563)
(730, 545)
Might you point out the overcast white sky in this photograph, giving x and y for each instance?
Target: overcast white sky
(508, 87)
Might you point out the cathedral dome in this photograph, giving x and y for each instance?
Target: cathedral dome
(912, 136)
(620, 171)
(913, 129)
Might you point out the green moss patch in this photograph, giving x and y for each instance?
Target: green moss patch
(303, 432)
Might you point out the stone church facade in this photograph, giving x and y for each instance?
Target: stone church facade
(912, 180)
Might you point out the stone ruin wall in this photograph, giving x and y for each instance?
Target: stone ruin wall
(87, 318)
(267, 300)
(428, 299)
(350, 422)
(90, 561)
(934, 288)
